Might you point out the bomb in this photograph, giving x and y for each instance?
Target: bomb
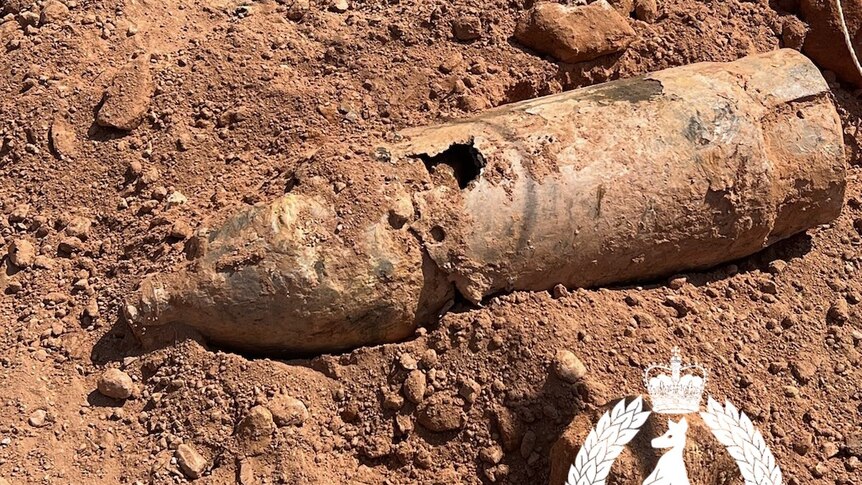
(630, 180)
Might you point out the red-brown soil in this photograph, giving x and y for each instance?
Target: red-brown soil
(242, 94)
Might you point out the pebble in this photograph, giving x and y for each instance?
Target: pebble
(176, 199)
(574, 34)
(838, 313)
(127, 99)
(407, 361)
(491, 454)
(803, 370)
(470, 390)
(255, 430)
(414, 386)
(53, 12)
(191, 463)
(568, 367)
(22, 253)
(441, 413)
(339, 6)
(646, 10)
(791, 391)
(38, 418)
(288, 411)
(677, 282)
(78, 226)
(778, 266)
(180, 230)
(467, 28)
(115, 384)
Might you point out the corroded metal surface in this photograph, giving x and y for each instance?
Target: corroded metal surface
(681, 169)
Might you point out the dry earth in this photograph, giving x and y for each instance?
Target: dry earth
(224, 100)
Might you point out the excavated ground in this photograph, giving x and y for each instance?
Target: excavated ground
(244, 92)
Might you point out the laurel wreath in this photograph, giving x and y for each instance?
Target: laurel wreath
(606, 441)
(743, 441)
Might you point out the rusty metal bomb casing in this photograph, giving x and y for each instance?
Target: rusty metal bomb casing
(635, 179)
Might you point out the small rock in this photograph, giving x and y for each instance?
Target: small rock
(441, 413)
(853, 443)
(677, 282)
(467, 28)
(191, 463)
(176, 199)
(180, 230)
(115, 384)
(298, 9)
(491, 454)
(22, 253)
(255, 430)
(407, 361)
(393, 401)
(62, 138)
(568, 367)
(574, 34)
(470, 390)
(646, 10)
(339, 6)
(127, 99)
(38, 418)
(414, 386)
(830, 449)
(560, 291)
(19, 213)
(53, 12)
(838, 313)
(70, 245)
(803, 443)
(803, 370)
(791, 391)
(403, 424)
(778, 266)
(78, 226)
(509, 428)
(288, 411)
(793, 32)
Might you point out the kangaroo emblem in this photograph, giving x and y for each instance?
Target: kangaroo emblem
(670, 469)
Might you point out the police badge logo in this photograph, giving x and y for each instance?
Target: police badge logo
(675, 389)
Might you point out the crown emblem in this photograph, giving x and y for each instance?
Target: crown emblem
(676, 393)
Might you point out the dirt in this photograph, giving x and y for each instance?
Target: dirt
(246, 95)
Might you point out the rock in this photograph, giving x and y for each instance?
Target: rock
(78, 226)
(838, 313)
(568, 367)
(255, 430)
(778, 266)
(288, 411)
(467, 28)
(191, 463)
(19, 213)
(793, 33)
(180, 230)
(115, 384)
(297, 10)
(176, 199)
(70, 245)
(414, 386)
(824, 43)
(470, 390)
(802, 443)
(127, 99)
(574, 34)
(339, 6)
(853, 443)
(53, 12)
(509, 427)
(491, 454)
(22, 253)
(441, 413)
(646, 10)
(38, 418)
(624, 7)
(803, 370)
(62, 138)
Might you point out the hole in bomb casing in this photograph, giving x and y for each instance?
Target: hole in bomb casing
(463, 159)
